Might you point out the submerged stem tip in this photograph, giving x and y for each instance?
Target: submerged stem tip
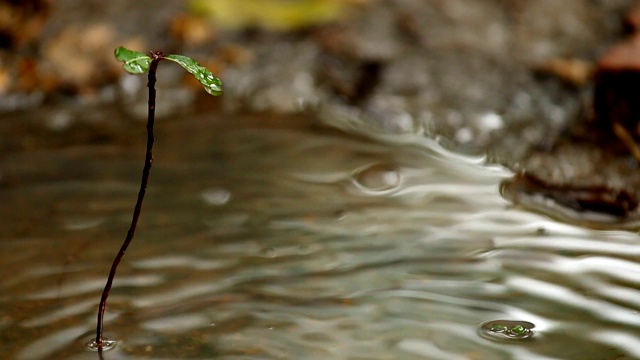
(103, 345)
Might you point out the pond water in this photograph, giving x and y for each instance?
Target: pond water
(265, 238)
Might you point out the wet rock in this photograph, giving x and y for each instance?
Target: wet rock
(616, 109)
(591, 168)
(619, 204)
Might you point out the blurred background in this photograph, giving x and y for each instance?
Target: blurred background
(493, 76)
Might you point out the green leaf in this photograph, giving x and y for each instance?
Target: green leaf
(519, 330)
(499, 328)
(211, 84)
(134, 62)
(283, 15)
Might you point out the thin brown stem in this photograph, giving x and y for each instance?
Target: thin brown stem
(157, 56)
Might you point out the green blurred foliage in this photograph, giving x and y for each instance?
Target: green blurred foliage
(270, 14)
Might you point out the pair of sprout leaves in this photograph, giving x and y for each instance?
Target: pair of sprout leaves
(138, 63)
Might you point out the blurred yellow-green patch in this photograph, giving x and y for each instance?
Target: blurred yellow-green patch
(271, 14)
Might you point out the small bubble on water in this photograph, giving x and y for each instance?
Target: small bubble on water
(542, 231)
(340, 214)
(216, 197)
(507, 329)
(268, 252)
(378, 177)
(107, 344)
(305, 249)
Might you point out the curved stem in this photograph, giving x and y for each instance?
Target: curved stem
(138, 208)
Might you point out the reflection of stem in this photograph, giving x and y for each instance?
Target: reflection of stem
(627, 139)
(143, 186)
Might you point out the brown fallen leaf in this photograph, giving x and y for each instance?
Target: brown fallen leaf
(576, 72)
(192, 31)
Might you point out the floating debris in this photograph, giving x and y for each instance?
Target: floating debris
(507, 329)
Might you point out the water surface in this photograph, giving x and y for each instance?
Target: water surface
(266, 238)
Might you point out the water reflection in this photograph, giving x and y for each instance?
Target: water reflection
(280, 240)
(377, 179)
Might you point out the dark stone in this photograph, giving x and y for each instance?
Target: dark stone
(619, 203)
(617, 96)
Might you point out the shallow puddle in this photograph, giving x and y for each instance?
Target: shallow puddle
(282, 240)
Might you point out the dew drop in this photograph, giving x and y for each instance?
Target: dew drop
(507, 329)
(107, 344)
(378, 177)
